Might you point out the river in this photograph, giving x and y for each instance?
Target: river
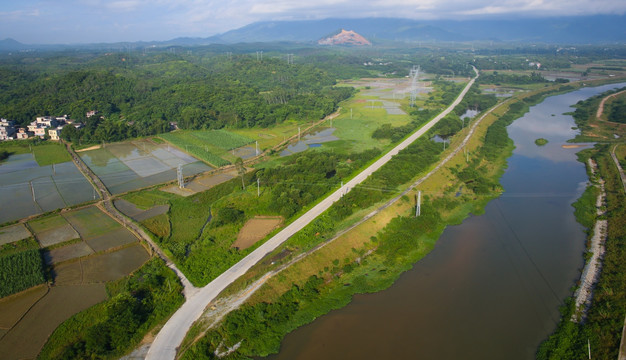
(491, 287)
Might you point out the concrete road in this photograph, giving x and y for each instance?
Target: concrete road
(171, 335)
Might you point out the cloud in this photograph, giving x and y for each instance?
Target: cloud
(166, 19)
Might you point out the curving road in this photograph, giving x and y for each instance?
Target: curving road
(166, 343)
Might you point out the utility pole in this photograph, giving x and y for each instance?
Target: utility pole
(418, 206)
(298, 133)
(258, 187)
(350, 113)
(179, 173)
(257, 147)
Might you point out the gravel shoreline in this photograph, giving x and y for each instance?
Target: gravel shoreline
(591, 272)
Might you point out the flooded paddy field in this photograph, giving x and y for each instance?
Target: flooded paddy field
(133, 165)
(26, 337)
(137, 214)
(32, 189)
(13, 233)
(310, 140)
(105, 251)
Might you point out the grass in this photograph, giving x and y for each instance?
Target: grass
(51, 153)
(196, 147)
(223, 139)
(45, 153)
(158, 225)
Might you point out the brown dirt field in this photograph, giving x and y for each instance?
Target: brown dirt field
(68, 273)
(573, 146)
(28, 336)
(67, 253)
(13, 233)
(89, 148)
(12, 308)
(114, 265)
(255, 230)
(57, 235)
(115, 238)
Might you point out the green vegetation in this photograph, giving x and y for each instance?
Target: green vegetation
(51, 153)
(541, 142)
(376, 263)
(139, 96)
(603, 326)
(223, 139)
(500, 78)
(21, 266)
(137, 303)
(616, 110)
(195, 147)
(45, 152)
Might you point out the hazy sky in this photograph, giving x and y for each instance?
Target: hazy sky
(87, 21)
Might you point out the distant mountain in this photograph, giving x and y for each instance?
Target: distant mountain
(345, 37)
(9, 44)
(572, 30)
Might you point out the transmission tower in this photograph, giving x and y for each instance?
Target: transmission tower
(179, 173)
(259, 55)
(289, 59)
(414, 75)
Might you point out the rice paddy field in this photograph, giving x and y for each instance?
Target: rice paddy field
(84, 249)
(212, 146)
(137, 164)
(26, 188)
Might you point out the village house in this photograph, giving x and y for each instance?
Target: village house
(7, 129)
(52, 123)
(22, 134)
(55, 133)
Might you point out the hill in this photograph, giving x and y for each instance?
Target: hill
(345, 37)
(573, 30)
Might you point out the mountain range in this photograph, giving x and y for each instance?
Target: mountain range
(596, 29)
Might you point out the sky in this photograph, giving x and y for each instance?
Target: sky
(95, 21)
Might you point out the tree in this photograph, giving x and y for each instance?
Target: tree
(241, 170)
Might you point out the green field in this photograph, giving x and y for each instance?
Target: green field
(45, 152)
(91, 222)
(196, 147)
(222, 138)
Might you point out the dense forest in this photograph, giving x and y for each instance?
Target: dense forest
(142, 96)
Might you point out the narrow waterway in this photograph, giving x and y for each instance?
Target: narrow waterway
(492, 286)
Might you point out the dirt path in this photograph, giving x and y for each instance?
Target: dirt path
(591, 272)
(619, 167)
(107, 206)
(601, 107)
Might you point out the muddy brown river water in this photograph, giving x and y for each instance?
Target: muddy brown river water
(492, 286)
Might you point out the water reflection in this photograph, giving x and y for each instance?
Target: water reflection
(492, 286)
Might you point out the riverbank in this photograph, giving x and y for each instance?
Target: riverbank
(360, 262)
(593, 267)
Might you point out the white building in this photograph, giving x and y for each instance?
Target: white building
(7, 129)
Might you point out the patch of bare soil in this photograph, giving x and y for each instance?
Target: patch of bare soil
(255, 230)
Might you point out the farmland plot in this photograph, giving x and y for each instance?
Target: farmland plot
(32, 189)
(133, 165)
